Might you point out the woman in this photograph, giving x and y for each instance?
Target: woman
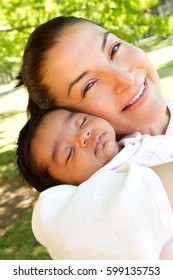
(74, 63)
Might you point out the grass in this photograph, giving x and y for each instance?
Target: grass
(12, 116)
(154, 43)
(17, 241)
(161, 56)
(16, 201)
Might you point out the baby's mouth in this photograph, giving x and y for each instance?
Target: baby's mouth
(135, 98)
(98, 142)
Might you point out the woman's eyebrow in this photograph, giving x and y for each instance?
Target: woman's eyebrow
(76, 81)
(105, 37)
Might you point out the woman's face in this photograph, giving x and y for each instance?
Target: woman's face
(93, 71)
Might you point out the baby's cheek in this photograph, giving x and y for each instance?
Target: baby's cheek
(111, 149)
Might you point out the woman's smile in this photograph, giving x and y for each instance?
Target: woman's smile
(137, 96)
(134, 99)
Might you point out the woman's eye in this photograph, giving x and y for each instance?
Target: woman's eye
(83, 122)
(87, 88)
(114, 49)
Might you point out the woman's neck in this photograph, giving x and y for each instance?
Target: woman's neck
(160, 127)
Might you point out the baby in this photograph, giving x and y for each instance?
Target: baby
(62, 146)
(67, 147)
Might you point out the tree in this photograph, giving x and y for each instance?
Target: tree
(17, 20)
(129, 19)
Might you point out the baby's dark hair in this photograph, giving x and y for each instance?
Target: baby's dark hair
(33, 176)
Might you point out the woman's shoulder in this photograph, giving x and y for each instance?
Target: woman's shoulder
(170, 104)
(169, 130)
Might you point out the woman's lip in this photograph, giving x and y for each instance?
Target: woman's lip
(98, 142)
(136, 98)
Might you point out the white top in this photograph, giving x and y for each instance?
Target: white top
(144, 150)
(116, 214)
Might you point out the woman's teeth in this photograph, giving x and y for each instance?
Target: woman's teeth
(136, 97)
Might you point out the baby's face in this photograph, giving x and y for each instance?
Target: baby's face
(72, 146)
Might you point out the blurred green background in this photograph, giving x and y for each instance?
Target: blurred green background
(147, 23)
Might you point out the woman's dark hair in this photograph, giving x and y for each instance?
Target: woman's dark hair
(41, 40)
(38, 178)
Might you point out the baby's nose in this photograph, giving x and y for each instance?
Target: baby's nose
(84, 137)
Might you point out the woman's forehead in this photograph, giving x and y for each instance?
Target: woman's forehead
(73, 53)
(79, 36)
(82, 27)
(76, 44)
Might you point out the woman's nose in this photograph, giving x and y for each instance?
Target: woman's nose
(83, 137)
(122, 79)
